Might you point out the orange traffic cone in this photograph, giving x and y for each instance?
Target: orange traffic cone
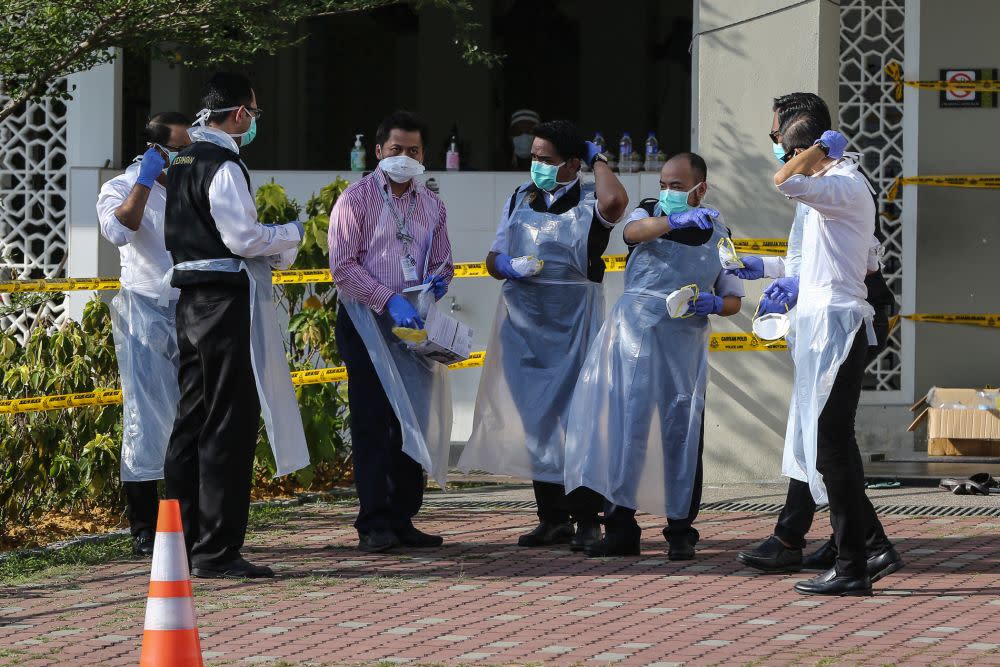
(170, 638)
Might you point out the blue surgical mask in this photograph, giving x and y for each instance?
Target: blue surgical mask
(675, 201)
(779, 152)
(544, 175)
(248, 136)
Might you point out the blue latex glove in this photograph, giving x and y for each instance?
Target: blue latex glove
(503, 267)
(403, 313)
(835, 142)
(439, 286)
(705, 305)
(151, 166)
(700, 218)
(300, 227)
(753, 268)
(769, 306)
(784, 291)
(592, 151)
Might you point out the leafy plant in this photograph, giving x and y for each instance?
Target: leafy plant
(43, 40)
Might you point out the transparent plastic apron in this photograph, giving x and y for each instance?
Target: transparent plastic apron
(635, 421)
(146, 347)
(820, 341)
(543, 328)
(417, 387)
(278, 402)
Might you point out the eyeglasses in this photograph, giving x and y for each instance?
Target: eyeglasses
(254, 111)
(775, 137)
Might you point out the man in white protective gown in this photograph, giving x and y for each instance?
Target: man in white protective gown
(130, 209)
(552, 233)
(636, 425)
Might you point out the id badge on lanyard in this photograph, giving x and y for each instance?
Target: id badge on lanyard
(407, 262)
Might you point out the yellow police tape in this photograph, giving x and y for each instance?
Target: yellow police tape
(719, 342)
(987, 181)
(612, 263)
(895, 72)
(101, 397)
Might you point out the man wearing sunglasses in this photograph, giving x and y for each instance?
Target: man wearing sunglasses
(232, 359)
(783, 551)
(130, 209)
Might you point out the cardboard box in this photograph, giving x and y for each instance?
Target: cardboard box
(962, 426)
(448, 340)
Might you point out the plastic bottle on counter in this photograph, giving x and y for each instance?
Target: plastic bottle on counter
(358, 154)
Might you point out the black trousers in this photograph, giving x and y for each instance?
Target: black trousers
(390, 484)
(142, 502)
(856, 528)
(209, 459)
(619, 518)
(581, 505)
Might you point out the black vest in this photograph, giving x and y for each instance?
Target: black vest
(189, 230)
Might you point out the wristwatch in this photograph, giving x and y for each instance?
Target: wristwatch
(600, 157)
(823, 147)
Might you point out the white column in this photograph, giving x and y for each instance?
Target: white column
(93, 141)
(911, 128)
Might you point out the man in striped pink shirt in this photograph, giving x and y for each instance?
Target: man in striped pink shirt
(388, 232)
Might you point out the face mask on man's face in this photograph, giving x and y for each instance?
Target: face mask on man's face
(400, 168)
(675, 201)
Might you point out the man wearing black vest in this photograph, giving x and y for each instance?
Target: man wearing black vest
(212, 232)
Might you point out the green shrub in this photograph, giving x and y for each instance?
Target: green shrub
(68, 459)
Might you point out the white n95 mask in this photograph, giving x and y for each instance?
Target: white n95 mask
(679, 301)
(527, 266)
(727, 254)
(770, 326)
(401, 168)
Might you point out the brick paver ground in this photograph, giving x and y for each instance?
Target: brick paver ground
(482, 600)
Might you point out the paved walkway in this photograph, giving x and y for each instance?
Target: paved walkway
(482, 600)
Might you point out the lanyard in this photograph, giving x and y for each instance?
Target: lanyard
(401, 234)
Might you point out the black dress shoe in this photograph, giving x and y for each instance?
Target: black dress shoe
(822, 559)
(546, 534)
(142, 544)
(587, 533)
(772, 556)
(417, 539)
(617, 542)
(681, 547)
(237, 569)
(884, 563)
(376, 541)
(830, 583)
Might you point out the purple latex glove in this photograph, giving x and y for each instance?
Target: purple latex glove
(700, 217)
(784, 291)
(592, 151)
(403, 313)
(151, 166)
(753, 268)
(705, 305)
(835, 143)
(504, 268)
(769, 306)
(439, 286)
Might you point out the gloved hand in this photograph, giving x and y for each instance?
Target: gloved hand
(403, 313)
(784, 291)
(753, 268)
(151, 166)
(592, 151)
(835, 142)
(504, 268)
(769, 306)
(705, 305)
(300, 227)
(439, 286)
(700, 218)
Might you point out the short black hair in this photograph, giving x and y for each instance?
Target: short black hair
(223, 90)
(401, 120)
(800, 131)
(565, 136)
(157, 130)
(793, 104)
(697, 163)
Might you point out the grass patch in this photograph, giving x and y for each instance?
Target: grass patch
(267, 516)
(25, 568)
